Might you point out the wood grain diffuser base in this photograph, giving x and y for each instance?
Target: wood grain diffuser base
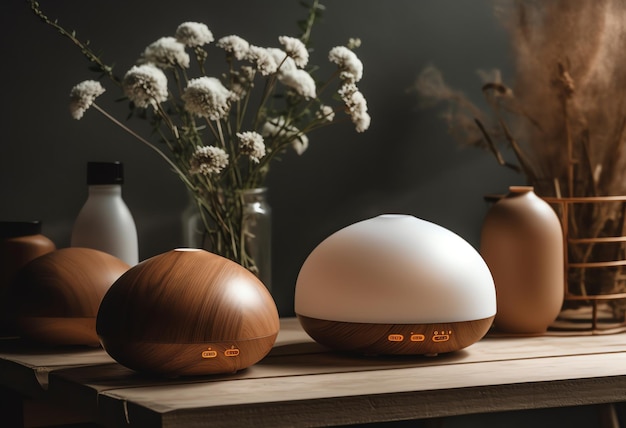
(55, 297)
(187, 312)
(395, 284)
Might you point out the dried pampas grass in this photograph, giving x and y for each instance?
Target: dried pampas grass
(563, 118)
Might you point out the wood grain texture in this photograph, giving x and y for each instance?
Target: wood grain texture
(180, 312)
(396, 339)
(302, 383)
(55, 297)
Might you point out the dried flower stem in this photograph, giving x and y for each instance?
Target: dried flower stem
(182, 176)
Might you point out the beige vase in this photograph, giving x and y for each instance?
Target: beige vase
(522, 243)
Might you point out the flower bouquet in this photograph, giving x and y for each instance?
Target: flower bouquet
(219, 131)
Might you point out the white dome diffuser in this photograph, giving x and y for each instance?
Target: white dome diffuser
(395, 284)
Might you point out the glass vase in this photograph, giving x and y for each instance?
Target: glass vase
(254, 232)
(257, 231)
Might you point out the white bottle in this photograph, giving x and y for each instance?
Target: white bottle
(105, 222)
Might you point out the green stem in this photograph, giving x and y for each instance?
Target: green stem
(84, 46)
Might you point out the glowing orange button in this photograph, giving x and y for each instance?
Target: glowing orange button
(209, 354)
(232, 352)
(441, 338)
(417, 338)
(395, 338)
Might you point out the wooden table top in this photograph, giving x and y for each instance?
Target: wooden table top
(302, 383)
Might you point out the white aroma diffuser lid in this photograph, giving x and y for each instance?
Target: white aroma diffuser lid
(395, 269)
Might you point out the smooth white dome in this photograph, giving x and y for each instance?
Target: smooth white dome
(395, 269)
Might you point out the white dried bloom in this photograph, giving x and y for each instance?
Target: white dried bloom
(251, 144)
(325, 113)
(300, 144)
(235, 45)
(284, 62)
(193, 34)
(290, 75)
(165, 53)
(356, 106)
(208, 160)
(242, 81)
(347, 61)
(207, 97)
(296, 50)
(82, 97)
(301, 81)
(145, 85)
(354, 43)
(278, 127)
(263, 59)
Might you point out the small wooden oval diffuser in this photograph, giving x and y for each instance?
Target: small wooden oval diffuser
(55, 297)
(188, 312)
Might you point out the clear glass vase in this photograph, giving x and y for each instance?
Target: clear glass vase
(256, 232)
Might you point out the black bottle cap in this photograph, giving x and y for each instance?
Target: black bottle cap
(13, 229)
(105, 173)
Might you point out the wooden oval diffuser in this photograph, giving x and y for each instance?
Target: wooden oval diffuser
(395, 284)
(188, 312)
(55, 297)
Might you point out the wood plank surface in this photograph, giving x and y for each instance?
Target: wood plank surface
(302, 383)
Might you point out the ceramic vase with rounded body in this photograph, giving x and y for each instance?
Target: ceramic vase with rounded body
(395, 284)
(188, 312)
(55, 297)
(522, 243)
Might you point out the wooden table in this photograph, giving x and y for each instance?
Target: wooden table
(301, 383)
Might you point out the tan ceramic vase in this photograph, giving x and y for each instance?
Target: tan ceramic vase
(522, 243)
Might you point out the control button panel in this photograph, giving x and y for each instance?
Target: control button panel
(209, 353)
(395, 338)
(441, 336)
(417, 337)
(232, 352)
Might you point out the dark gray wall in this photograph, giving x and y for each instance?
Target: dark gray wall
(405, 163)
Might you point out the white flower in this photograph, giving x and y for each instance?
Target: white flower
(193, 34)
(300, 144)
(354, 43)
(356, 106)
(83, 95)
(325, 113)
(295, 49)
(290, 75)
(207, 97)
(284, 62)
(252, 145)
(301, 81)
(235, 45)
(165, 53)
(278, 127)
(347, 61)
(208, 160)
(145, 85)
(264, 60)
